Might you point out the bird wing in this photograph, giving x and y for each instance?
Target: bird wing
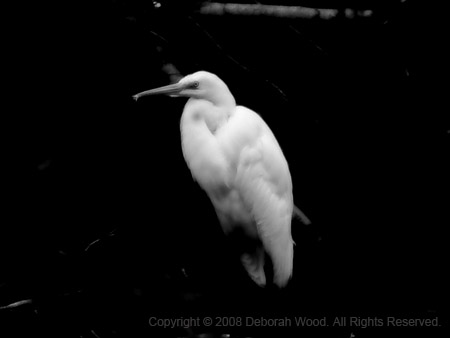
(264, 182)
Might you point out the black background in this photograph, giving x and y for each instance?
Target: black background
(356, 105)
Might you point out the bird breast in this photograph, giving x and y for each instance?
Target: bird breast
(201, 150)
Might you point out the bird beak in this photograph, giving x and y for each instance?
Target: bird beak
(172, 89)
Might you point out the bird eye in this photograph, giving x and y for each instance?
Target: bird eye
(195, 84)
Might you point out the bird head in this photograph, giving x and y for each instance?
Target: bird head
(201, 85)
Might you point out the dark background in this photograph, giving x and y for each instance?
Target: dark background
(356, 105)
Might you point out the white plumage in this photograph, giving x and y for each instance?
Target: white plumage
(235, 158)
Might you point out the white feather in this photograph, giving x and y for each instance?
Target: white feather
(235, 158)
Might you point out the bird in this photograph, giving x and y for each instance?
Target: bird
(235, 158)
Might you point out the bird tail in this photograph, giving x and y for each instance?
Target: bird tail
(282, 261)
(297, 213)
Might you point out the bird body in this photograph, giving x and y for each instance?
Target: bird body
(236, 159)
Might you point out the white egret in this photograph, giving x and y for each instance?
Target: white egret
(235, 158)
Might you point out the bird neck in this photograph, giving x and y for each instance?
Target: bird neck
(226, 102)
(198, 111)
